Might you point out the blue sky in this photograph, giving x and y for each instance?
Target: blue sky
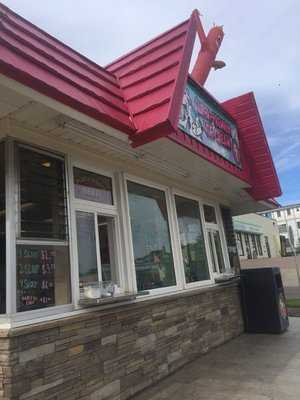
(260, 48)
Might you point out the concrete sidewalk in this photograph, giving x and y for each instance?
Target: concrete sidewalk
(251, 367)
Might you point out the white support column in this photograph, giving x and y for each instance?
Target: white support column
(11, 220)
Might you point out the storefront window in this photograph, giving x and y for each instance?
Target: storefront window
(248, 247)
(42, 254)
(2, 230)
(214, 239)
(96, 228)
(42, 196)
(86, 243)
(106, 233)
(92, 187)
(191, 240)
(209, 214)
(260, 252)
(96, 248)
(216, 251)
(254, 246)
(239, 243)
(151, 237)
(219, 251)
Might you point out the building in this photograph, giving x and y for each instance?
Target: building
(288, 220)
(127, 174)
(257, 237)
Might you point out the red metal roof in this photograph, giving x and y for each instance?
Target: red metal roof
(265, 183)
(140, 93)
(36, 59)
(153, 79)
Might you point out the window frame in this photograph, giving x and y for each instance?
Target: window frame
(188, 196)
(220, 228)
(239, 237)
(119, 210)
(12, 209)
(96, 209)
(259, 245)
(37, 241)
(172, 229)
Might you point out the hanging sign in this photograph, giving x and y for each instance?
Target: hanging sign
(202, 119)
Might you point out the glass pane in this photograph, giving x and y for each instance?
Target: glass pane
(212, 252)
(92, 187)
(2, 231)
(106, 231)
(43, 276)
(151, 237)
(42, 196)
(192, 240)
(209, 214)
(239, 243)
(86, 243)
(260, 252)
(254, 247)
(219, 251)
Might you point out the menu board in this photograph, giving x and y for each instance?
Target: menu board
(35, 277)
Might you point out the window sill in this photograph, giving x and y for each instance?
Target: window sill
(123, 298)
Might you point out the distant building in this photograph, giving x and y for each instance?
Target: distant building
(288, 220)
(256, 236)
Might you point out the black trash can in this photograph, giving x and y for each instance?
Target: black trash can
(263, 299)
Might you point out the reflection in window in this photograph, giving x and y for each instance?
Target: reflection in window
(248, 247)
(92, 187)
(260, 252)
(239, 243)
(219, 251)
(151, 237)
(43, 270)
(86, 243)
(254, 246)
(2, 230)
(106, 229)
(209, 214)
(192, 240)
(43, 196)
(212, 251)
(216, 251)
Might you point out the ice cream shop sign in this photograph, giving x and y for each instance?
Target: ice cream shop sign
(201, 118)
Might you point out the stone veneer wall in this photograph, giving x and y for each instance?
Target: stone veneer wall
(112, 354)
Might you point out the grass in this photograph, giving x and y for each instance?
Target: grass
(293, 303)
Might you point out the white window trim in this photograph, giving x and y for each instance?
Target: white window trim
(74, 163)
(12, 211)
(173, 238)
(219, 227)
(11, 214)
(95, 208)
(124, 248)
(209, 261)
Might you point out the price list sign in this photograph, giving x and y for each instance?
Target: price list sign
(35, 277)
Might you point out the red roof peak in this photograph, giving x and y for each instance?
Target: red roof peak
(153, 79)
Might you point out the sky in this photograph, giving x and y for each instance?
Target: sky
(261, 49)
